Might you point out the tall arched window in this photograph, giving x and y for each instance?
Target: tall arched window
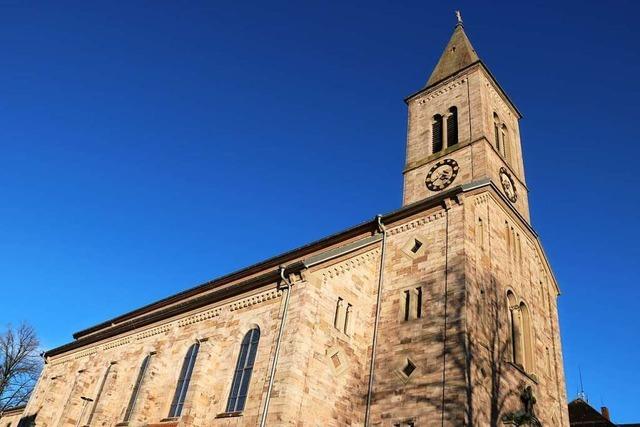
(452, 127)
(514, 329)
(436, 134)
(133, 400)
(244, 368)
(183, 381)
(105, 377)
(527, 343)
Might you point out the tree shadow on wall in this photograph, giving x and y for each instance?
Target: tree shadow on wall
(493, 333)
(28, 421)
(475, 361)
(480, 367)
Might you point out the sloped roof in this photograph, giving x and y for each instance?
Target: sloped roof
(581, 414)
(458, 54)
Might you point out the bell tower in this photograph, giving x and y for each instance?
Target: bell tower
(463, 129)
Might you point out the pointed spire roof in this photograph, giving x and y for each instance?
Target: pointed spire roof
(458, 54)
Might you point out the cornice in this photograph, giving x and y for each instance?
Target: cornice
(349, 264)
(416, 223)
(468, 69)
(198, 317)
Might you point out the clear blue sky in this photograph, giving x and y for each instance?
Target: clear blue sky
(146, 147)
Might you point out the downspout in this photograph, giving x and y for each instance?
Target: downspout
(382, 230)
(287, 283)
(446, 297)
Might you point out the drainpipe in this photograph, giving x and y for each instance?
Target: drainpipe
(382, 230)
(287, 283)
(446, 297)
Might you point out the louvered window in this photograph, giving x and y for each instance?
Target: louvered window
(183, 382)
(136, 388)
(244, 368)
(436, 134)
(452, 127)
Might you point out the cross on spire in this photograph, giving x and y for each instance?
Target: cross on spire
(459, 17)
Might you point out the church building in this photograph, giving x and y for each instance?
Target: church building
(441, 313)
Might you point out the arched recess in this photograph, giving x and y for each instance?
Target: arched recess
(515, 334)
(527, 341)
(496, 130)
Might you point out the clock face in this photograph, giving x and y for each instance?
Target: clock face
(508, 185)
(442, 174)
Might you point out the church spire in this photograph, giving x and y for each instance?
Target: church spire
(458, 54)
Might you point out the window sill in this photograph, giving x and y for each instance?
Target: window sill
(229, 414)
(531, 376)
(166, 422)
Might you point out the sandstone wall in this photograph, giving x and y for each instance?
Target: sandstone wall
(495, 266)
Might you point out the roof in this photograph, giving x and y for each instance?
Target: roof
(458, 54)
(458, 57)
(264, 272)
(581, 414)
(12, 411)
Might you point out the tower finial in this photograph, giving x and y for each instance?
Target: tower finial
(459, 17)
(581, 394)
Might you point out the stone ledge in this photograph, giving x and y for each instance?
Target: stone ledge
(166, 422)
(229, 415)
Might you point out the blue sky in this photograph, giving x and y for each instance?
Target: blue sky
(146, 147)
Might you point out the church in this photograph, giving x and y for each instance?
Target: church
(441, 313)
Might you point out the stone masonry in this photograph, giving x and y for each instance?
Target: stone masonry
(437, 314)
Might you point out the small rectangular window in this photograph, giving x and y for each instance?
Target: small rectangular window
(407, 305)
(412, 303)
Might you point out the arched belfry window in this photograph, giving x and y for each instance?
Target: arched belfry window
(452, 127)
(182, 387)
(244, 369)
(436, 134)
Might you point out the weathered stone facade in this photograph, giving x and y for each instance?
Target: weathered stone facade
(449, 302)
